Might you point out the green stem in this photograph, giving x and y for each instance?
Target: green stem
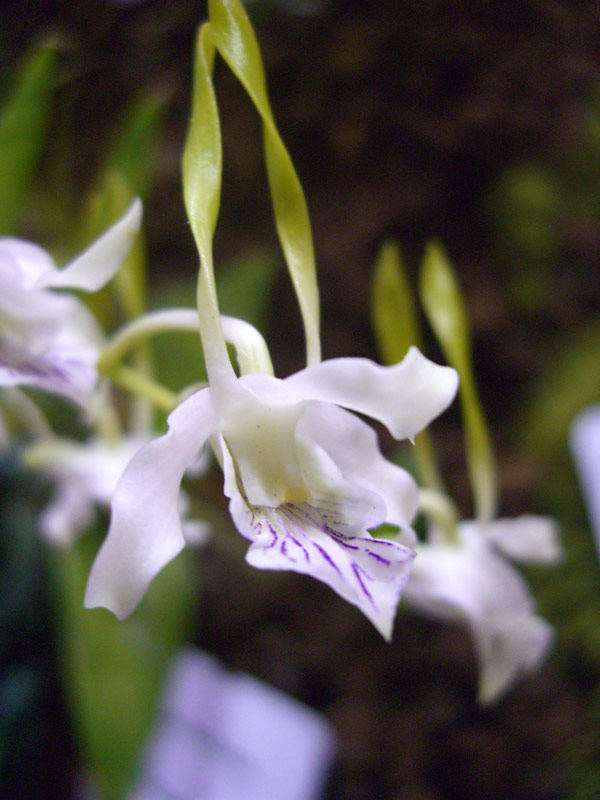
(132, 333)
(427, 466)
(140, 384)
(442, 514)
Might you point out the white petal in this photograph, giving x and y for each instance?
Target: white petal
(353, 446)
(516, 646)
(145, 531)
(97, 265)
(470, 582)
(259, 426)
(404, 397)
(68, 513)
(30, 261)
(310, 538)
(530, 539)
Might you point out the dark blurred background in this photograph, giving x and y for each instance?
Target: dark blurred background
(477, 124)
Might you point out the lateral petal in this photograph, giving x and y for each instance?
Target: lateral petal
(353, 446)
(145, 531)
(404, 397)
(97, 265)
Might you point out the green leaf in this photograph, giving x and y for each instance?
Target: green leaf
(570, 385)
(202, 170)
(245, 287)
(133, 152)
(393, 313)
(445, 309)
(114, 669)
(235, 40)
(23, 125)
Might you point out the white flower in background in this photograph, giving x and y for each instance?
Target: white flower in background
(85, 477)
(471, 581)
(49, 340)
(305, 478)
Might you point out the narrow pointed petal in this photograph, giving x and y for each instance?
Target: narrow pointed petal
(353, 446)
(312, 539)
(146, 531)
(404, 397)
(97, 265)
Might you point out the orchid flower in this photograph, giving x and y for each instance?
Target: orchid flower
(85, 475)
(472, 581)
(49, 340)
(305, 478)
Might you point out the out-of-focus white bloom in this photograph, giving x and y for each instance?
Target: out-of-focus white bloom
(85, 477)
(471, 581)
(305, 478)
(49, 339)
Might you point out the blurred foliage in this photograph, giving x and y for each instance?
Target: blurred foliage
(546, 215)
(23, 125)
(444, 304)
(114, 669)
(32, 714)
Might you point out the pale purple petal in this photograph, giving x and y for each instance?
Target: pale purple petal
(68, 513)
(353, 446)
(311, 538)
(98, 264)
(145, 531)
(404, 397)
(68, 372)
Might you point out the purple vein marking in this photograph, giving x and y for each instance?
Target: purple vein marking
(357, 570)
(284, 552)
(300, 513)
(379, 558)
(328, 558)
(275, 536)
(293, 538)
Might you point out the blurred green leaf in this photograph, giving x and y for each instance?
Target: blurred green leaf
(23, 125)
(245, 287)
(572, 383)
(393, 312)
(133, 151)
(444, 305)
(114, 669)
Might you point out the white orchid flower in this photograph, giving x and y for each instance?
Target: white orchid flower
(305, 478)
(49, 340)
(85, 475)
(471, 581)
